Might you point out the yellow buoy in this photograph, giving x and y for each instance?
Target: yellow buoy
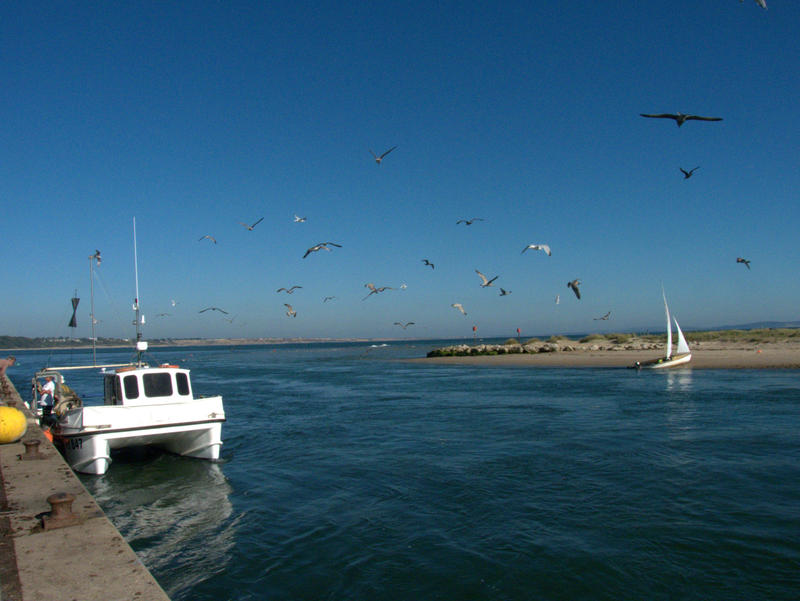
(13, 424)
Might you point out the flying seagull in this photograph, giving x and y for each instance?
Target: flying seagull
(404, 326)
(543, 247)
(745, 261)
(374, 290)
(428, 263)
(574, 285)
(486, 281)
(604, 317)
(469, 221)
(288, 290)
(459, 307)
(298, 219)
(680, 118)
(321, 246)
(558, 299)
(378, 159)
(289, 311)
(688, 174)
(213, 309)
(214, 240)
(250, 227)
(504, 292)
(761, 3)
(327, 298)
(163, 314)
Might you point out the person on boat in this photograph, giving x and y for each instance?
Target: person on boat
(47, 393)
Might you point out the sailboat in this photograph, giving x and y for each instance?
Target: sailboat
(682, 353)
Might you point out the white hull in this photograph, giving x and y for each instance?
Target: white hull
(664, 363)
(192, 428)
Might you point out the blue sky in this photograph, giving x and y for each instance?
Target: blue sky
(194, 117)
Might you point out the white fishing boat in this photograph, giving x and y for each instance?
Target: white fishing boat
(143, 405)
(682, 353)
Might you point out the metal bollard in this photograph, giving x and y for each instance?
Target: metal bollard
(31, 450)
(61, 514)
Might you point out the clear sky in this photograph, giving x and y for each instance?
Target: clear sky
(193, 117)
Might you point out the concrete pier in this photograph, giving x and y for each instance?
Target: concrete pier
(55, 541)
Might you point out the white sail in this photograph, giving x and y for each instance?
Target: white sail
(669, 326)
(683, 346)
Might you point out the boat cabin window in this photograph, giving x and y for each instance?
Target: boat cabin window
(158, 384)
(131, 384)
(183, 383)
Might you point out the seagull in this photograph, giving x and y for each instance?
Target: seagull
(173, 302)
(504, 292)
(543, 247)
(680, 118)
(486, 281)
(410, 323)
(745, 261)
(327, 298)
(558, 299)
(428, 263)
(574, 285)
(761, 3)
(214, 240)
(298, 219)
(289, 311)
(288, 290)
(469, 221)
(250, 227)
(459, 307)
(321, 246)
(213, 309)
(163, 314)
(374, 290)
(96, 256)
(688, 174)
(604, 317)
(378, 159)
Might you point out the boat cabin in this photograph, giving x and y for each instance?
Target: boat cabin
(147, 385)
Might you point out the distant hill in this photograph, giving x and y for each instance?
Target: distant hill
(761, 325)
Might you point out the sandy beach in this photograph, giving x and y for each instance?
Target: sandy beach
(712, 356)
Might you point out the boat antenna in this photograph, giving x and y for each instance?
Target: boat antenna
(141, 345)
(94, 257)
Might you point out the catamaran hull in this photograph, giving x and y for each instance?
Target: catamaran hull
(664, 363)
(90, 452)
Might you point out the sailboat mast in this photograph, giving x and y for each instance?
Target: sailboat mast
(669, 325)
(136, 299)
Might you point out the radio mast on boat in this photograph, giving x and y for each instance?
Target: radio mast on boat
(141, 345)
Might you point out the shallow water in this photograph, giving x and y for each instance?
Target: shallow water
(350, 474)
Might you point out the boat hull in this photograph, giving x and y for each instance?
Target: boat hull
(673, 361)
(192, 429)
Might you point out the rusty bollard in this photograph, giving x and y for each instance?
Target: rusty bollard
(61, 514)
(31, 450)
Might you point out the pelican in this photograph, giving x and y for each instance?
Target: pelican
(469, 221)
(374, 290)
(288, 290)
(377, 158)
(321, 246)
(486, 281)
(574, 285)
(459, 307)
(213, 309)
(543, 247)
(250, 227)
(428, 263)
(214, 240)
(680, 118)
(688, 174)
(604, 317)
(404, 326)
(290, 312)
(745, 261)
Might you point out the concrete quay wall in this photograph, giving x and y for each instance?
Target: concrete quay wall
(47, 552)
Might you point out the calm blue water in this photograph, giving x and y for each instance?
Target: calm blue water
(349, 474)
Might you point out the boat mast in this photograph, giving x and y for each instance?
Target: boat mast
(95, 256)
(141, 345)
(669, 324)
